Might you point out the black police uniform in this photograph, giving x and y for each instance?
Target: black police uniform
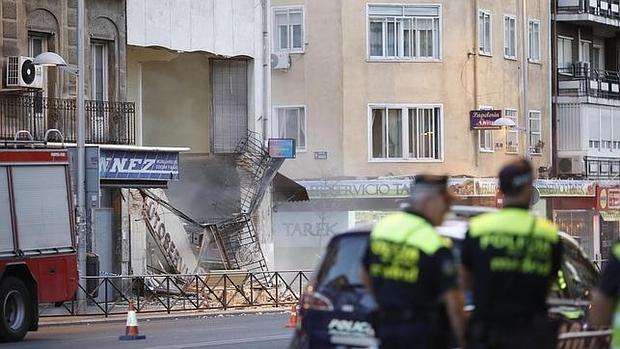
(410, 266)
(609, 285)
(513, 256)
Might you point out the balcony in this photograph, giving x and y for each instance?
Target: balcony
(106, 122)
(602, 168)
(582, 81)
(603, 12)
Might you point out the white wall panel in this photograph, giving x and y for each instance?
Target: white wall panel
(227, 28)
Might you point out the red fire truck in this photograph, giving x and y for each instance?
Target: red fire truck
(38, 260)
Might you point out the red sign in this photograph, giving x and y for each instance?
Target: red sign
(33, 156)
(608, 199)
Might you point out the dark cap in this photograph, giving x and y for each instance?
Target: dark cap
(515, 176)
(430, 184)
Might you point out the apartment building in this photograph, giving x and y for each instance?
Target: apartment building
(375, 92)
(586, 94)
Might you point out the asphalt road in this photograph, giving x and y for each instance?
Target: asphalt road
(258, 331)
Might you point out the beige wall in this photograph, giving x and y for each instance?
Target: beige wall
(172, 91)
(334, 72)
(315, 80)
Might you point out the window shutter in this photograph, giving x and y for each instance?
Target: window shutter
(230, 104)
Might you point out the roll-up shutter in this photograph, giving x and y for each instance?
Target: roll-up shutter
(230, 103)
(41, 207)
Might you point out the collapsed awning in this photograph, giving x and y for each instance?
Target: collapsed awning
(286, 189)
(610, 216)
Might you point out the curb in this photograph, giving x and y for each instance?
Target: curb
(75, 320)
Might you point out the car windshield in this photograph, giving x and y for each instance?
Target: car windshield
(578, 271)
(341, 266)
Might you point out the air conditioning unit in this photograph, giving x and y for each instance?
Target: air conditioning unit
(280, 61)
(21, 72)
(571, 166)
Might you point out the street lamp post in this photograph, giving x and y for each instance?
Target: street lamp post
(53, 59)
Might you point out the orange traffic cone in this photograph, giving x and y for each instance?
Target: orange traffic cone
(131, 329)
(292, 320)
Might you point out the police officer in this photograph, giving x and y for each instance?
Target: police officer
(411, 271)
(605, 299)
(509, 260)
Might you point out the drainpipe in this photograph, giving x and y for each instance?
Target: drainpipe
(476, 104)
(553, 49)
(266, 71)
(524, 72)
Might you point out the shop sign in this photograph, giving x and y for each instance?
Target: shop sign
(565, 188)
(608, 199)
(138, 165)
(483, 119)
(463, 187)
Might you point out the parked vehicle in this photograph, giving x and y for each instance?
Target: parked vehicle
(38, 262)
(336, 310)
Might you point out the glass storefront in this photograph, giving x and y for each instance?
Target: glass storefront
(579, 225)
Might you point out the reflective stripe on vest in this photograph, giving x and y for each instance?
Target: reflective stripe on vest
(411, 230)
(514, 221)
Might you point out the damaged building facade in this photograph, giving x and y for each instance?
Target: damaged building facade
(197, 72)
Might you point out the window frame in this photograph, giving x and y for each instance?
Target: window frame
(560, 65)
(274, 124)
(105, 67)
(514, 37)
(413, 59)
(532, 133)
(531, 59)
(488, 53)
(512, 130)
(486, 132)
(405, 133)
(274, 42)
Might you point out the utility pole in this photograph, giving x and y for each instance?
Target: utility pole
(81, 182)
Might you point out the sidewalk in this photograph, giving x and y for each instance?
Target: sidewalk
(48, 321)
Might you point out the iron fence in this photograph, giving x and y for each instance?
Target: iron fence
(580, 80)
(584, 340)
(106, 122)
(108, 295)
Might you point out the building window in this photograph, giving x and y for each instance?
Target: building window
(406, 132)
(99, 64)
(616, 144)
(290, 122)
(289, 29)
(406, 32)
(534, 41)
(37, 44)
(565, 54)
(535, 132)
(484, 32)
(595, 144)
(512, 134)
(485, 137)
(510, 37)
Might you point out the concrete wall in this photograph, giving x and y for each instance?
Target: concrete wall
(176, 102)
(336, 82)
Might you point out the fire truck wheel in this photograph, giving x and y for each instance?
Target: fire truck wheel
(15, 312)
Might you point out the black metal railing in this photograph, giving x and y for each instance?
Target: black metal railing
(580, 80)
(602, 8)
(106, 122)
(602, 167)
(108, 295)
